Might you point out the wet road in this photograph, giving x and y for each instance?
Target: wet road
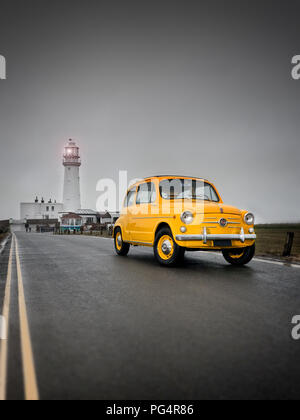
(106, 327)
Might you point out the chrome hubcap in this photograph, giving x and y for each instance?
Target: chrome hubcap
(166, 247)
(119, 240)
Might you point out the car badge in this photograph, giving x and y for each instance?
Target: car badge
(223, 222)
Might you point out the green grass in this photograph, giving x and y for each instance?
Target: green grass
(3, 236)
(271, 239)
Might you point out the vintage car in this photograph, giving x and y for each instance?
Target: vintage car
(174, 214)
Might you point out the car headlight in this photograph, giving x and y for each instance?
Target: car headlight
(249, 218)
(187, 217)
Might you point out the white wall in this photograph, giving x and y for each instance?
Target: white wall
(40, 210)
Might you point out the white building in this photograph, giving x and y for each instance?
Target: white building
(72, 163)
(88, 216)
(40, 210)
(108, 218)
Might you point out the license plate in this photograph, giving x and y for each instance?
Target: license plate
(222, 242)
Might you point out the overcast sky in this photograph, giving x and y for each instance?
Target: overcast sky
(200, 88)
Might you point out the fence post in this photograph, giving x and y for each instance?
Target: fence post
(288, 244)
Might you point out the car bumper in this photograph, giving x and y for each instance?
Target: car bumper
(205, 237)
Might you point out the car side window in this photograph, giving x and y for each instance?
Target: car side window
(146, 193)
(129, 200)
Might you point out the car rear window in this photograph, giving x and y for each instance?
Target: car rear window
(129, 200)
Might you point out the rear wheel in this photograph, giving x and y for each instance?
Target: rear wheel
(240, 256)
(166, 251)
(121, 247)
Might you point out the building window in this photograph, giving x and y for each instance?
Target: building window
(47, 208)
(53, 208)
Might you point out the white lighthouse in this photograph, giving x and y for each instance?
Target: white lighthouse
(72, 163)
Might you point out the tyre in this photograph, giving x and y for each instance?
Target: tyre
(166, 251)
(121, 247)
(238, 256)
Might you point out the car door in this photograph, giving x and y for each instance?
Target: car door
(127, 211)
(144, 215)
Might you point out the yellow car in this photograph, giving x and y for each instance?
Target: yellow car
(174, 214)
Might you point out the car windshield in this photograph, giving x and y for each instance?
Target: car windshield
(187, 189)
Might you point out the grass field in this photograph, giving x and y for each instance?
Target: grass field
(271, 239)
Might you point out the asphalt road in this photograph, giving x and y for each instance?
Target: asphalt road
(107, 327)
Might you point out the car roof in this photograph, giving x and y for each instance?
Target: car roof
(165, 177)
(176, 176)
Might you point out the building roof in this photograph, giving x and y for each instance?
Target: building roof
(86, 212)
(105, 215)
(71, 216)
(45, 203)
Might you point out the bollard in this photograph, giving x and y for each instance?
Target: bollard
(288, 244)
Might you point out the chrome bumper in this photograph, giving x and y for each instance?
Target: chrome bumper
(212, 237)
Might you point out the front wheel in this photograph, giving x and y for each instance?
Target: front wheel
(121, 247)
(239, 256)
(166, 251)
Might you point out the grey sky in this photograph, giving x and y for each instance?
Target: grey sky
(199, 88)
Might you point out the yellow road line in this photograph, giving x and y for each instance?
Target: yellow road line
(4, 343)
(30, 382)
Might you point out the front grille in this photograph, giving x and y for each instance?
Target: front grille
(213, 220)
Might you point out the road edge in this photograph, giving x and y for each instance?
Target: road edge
(277, 259)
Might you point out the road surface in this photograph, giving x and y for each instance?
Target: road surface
(92, 325)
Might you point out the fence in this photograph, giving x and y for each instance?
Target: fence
(279, 240)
